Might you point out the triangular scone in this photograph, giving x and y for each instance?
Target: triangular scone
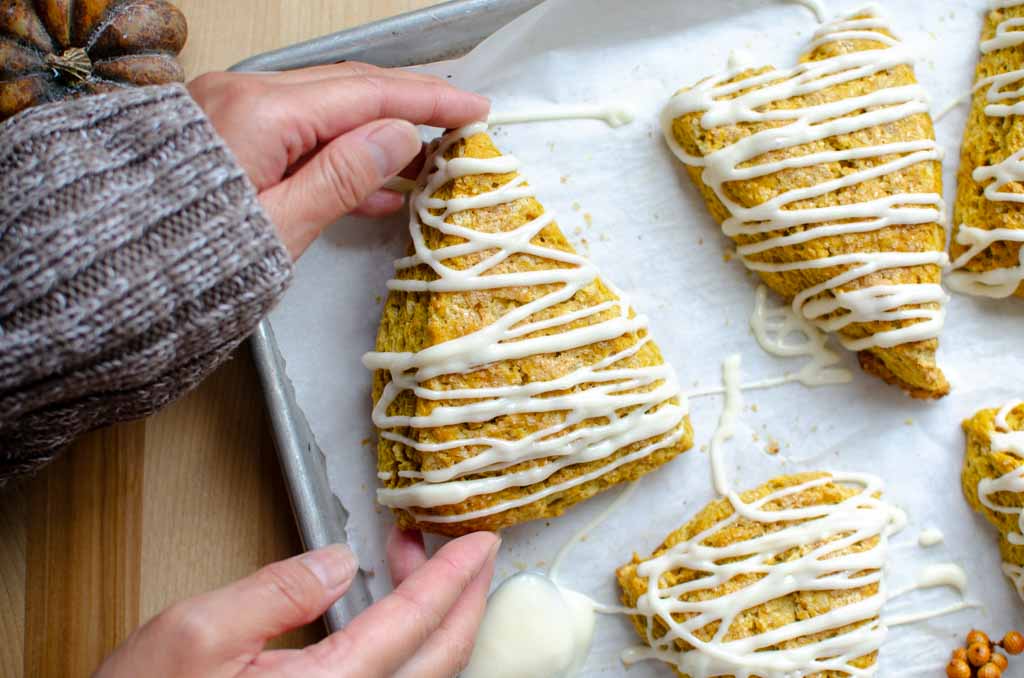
(827, 176)
(745, 595)
(511, 382)
(993, 479)
(988, 217)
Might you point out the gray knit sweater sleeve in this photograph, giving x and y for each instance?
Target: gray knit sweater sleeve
(134, 257)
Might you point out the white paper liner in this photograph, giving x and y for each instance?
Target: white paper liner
(624, 200)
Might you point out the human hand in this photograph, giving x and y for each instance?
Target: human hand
(319, 143)
(425, 629)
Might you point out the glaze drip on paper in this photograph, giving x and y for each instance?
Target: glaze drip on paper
(613, 115)
(1005, 439)
(724, 103)
(604, 391)
(1003, 94)
(782, 332)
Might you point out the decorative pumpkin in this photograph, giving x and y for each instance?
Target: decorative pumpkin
(60, 49)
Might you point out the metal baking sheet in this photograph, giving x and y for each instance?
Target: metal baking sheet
(436, 33)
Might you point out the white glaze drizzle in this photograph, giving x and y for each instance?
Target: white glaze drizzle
(651, 416)
(726, 427)
(950, 107)
(1016, 576)
(817, 7)
(933, 576)
(613, 115)
(1000, 89)
(811, 123)
(532, 627)
(1005, 439)
(576, 538)
(930, 537)
(781, 332)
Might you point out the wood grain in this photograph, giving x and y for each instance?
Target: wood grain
(141, 514)
(84, 553)
(12, 578)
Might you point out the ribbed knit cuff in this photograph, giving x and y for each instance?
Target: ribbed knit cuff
(134, 256)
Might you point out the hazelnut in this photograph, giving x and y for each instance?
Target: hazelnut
(958, 669)
(979, 653)
(990, 670)
(977, 636)
(1013, 642)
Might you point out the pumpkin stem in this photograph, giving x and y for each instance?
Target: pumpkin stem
(73, 65)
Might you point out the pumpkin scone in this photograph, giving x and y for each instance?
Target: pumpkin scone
(511, 381)
(785, 579)
(827, 176)
(993, 480)
(988, 216)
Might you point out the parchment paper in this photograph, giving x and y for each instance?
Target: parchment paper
(624, 200)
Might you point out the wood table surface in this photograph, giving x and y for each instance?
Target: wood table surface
(138, 515)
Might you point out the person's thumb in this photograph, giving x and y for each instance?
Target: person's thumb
(338, 179)
(240, 617)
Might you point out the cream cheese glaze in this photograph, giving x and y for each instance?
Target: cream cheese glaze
(651, 415)
(817, 8)
(811, 123)
(613, 115)
(1003, 93)
(514, 641)
(1005, 439)
(930, 537)
(782, 332)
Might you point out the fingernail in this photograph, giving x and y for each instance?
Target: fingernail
(494, 549)
(392, 145)
(333, 565)
(482, 99)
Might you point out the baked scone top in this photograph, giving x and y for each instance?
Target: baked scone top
(511, 381)
(989, 214)
(993, 479)
(781, 580)
(827, 177)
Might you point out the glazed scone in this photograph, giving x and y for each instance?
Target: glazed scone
(993, 480)
(828, 179)
(747, 588)
(510, 382)
(988, 216)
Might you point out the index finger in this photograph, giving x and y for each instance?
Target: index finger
(343, 69)
(380, 640)
(333, 106)
(406, 553)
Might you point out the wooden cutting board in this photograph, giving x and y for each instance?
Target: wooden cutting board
(139, 515)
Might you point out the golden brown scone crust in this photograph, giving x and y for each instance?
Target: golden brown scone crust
(981, 462)
(412, 321)
(773, 614)
(989, 141)
(911, 366)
